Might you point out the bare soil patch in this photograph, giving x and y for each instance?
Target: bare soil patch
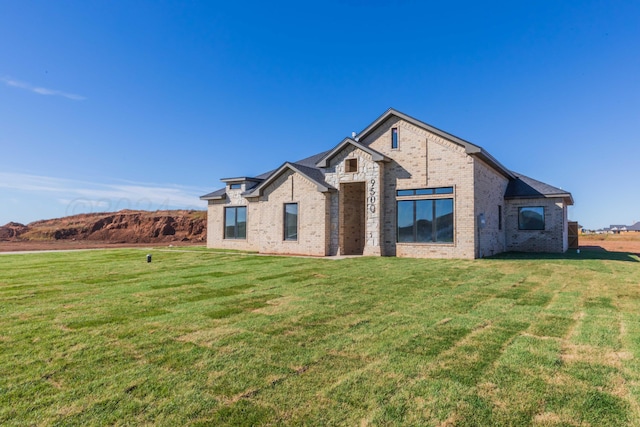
(629, 242)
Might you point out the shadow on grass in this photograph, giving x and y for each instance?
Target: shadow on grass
(586, 253)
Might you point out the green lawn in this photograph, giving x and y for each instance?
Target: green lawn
(204, 338)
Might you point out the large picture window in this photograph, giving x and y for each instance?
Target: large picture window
(291, 221)
(531, 218)
(235, 222)
(425, 221)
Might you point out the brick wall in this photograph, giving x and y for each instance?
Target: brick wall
(215, 223)
(551, 239)
(265, 218)
(313, 217)
(424, 160)
(489, 200)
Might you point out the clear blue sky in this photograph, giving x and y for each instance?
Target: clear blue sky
(147, 104)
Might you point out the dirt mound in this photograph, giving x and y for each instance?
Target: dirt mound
(125, 226)
(12, 230)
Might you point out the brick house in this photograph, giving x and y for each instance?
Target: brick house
(399, 188)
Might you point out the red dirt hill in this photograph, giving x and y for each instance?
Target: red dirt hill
(125, 226)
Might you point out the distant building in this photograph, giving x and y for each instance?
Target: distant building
(635, 227)
(617, 229)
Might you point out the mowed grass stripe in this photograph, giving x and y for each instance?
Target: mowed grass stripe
(205, 338)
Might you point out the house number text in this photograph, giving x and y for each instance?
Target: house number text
(372, 196)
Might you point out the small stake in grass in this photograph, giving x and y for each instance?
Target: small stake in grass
(148, 257)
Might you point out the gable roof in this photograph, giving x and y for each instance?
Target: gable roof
(377, 157)
(309, 162)
(634, 227)
(471, 149)
(523, 187)
(519, 187)
(313, 174)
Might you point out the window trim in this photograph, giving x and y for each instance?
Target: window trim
(520, 225)
(430, 194)
(235, 226)
(395, 138)
(285, 236)
(351, 165)
(432, 191)
(235, 186)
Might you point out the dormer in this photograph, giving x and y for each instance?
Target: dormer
(240, 184)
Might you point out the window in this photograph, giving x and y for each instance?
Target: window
(235, 222)
(235, 186)
(425, 221)
(425, 191)
(499, 217)
(291, 221)
(531, 218)
(351, 165)
(394, 138)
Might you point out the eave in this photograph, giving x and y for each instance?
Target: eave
(567, 198)
(213, 196)
(376, 156)
(471, 149)
(240, 179)
(258, 189)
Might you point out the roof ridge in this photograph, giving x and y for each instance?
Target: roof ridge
(469, 147)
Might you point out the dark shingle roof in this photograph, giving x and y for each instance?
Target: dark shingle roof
(218, 194)
(312, 160)
(519, 187)
(314, 173)
(523, 187)
(307, 161)
(305, 165)
(377, 156)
